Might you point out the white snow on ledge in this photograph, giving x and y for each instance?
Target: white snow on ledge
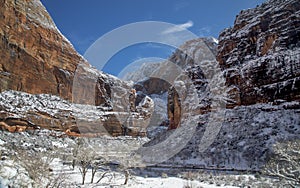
(20, 103)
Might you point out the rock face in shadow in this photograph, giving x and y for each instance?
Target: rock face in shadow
(151, 86)
(260, 53)
(174, 109)
(189, 93)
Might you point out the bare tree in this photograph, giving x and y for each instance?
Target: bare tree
(76, 148)
(127, 174)
(57, 181)
(83, 168)
(102, 176)
(285, 164)
(33, 169)
(123, 168)
(36, 164)
(96, 165)
(85, 158)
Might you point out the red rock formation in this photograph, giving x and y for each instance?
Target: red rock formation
(174, 109)
(260, 54)
(191, 63)
(21, 111)
(259, 57)
(36, 58)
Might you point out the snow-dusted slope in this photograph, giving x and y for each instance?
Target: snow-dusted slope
(245, 139)
(256, 84)
(143, 72)
(20, 111)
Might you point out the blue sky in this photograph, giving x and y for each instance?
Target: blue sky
(83, 22)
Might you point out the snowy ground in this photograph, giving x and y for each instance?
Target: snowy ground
(13, 165)
(116, 179)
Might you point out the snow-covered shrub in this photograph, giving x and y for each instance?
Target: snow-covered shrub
(285, 163)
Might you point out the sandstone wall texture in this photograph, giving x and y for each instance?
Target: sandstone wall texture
(37, 59)
(261, 53)
(35, 56)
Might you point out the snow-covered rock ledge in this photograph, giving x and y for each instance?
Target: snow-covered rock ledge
(20, 111)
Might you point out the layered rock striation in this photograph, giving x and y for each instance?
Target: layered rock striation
(37, 59)
(260, 53)
(35, 56)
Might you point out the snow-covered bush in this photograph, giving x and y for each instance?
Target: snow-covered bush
(285, 164)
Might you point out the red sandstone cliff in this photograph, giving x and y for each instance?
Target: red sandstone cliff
(260, 53)
(35, 56)
(37, 59)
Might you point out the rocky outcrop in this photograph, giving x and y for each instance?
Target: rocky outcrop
(153, 85)
(22, 111)
(181, 76)
(174, 108)
(37, 59)
(260, 53)
(255, 81)
(35, 56)
(193, 81)
(258, 57)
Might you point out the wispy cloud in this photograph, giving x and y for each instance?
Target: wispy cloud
(180, 5)
(178, 28)
(205, 31)
(152, 45)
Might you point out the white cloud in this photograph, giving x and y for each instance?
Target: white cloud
(152, 45)
(178, 28)
(205, 31)
(180, 5)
